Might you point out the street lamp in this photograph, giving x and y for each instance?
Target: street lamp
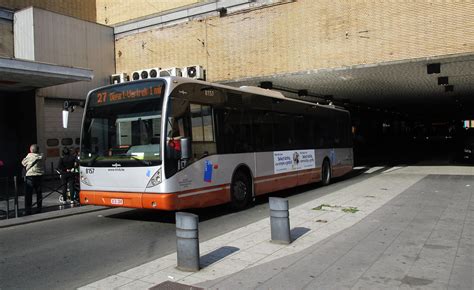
(70, 106)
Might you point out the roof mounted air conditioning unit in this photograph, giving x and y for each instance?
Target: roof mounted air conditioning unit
(172, 71)
(154, 72)
(119, 78)
(146, 73)
(194, 72)
(136, 75)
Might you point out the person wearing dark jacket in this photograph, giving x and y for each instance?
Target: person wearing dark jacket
(66, 167)
(33, 163)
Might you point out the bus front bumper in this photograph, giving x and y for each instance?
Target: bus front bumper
(129, 199)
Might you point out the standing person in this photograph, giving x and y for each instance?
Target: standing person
(2, 164)
(33, 163)
(66, 166)
(3, 169)
(77, 188)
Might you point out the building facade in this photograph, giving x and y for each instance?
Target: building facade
(278, 37)
(48, 58)
(81, 9)
(372, 52)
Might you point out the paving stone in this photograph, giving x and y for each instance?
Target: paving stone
(111, 282)
(464, 255)
(376, 282)
(168, 274)
(432, 272)
(147, 269)
(419, 283)
(462, 277)
(136, 285)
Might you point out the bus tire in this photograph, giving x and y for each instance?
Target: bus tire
(326, 172)
(240, 191)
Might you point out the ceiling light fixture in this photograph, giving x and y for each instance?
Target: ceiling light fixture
(448, 89)
(433, 68)
(443, 81)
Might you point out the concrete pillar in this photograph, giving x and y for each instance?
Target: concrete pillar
(187, 242)
(280, 220)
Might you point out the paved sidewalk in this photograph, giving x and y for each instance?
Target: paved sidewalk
(409, 228)
(422, 238)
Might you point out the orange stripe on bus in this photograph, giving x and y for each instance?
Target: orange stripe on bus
(207, 196)
(202, 197)
(340, 170)
(205, 199)
(270, 183)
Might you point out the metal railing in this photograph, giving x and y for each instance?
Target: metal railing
(9, 191)
(13, 187)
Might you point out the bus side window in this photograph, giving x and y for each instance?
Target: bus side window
(203, 139)
(304, 132)
(283, 128)
(263, 130)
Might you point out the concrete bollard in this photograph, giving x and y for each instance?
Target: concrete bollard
(280, 220)
(187, 242)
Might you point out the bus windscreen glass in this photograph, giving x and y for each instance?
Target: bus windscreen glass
(122, 125)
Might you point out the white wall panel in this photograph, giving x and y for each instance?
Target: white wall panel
(24, 35)
(73, 42)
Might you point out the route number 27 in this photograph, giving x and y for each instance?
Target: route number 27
(101, 98)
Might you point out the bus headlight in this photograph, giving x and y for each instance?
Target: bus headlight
(85, 180)
(155, 179)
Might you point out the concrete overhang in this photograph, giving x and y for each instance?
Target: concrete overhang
(402, 86)
(179, 15)
(23, 75)
(6, 14)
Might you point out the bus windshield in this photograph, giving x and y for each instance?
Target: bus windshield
(123, 131)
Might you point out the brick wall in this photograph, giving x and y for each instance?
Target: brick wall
(304, 35)
(82, 9)
(6, 38)
(114, 11)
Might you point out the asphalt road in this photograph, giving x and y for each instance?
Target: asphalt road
(74, 251)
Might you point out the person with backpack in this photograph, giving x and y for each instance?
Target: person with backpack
(33, 163)
(66, 167)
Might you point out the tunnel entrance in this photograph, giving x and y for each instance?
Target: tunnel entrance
(402, 111)
(17, 129)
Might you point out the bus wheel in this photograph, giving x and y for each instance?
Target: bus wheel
(326, 173)
(241, 191)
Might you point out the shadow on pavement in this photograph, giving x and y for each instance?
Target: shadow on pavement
(297, 232)
(217, 255)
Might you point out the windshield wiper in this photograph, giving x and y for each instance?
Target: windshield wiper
(92, 161)
(144, 162)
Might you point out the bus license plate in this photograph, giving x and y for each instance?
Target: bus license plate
(116, 201)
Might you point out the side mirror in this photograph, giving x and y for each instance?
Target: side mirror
(174, 149)
(185, 148)
(65, 118)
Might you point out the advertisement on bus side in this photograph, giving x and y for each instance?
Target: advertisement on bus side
(293, 160)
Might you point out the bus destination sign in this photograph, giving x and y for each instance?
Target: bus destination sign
(126, 93)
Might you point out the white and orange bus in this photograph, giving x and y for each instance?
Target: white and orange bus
(173, 143)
